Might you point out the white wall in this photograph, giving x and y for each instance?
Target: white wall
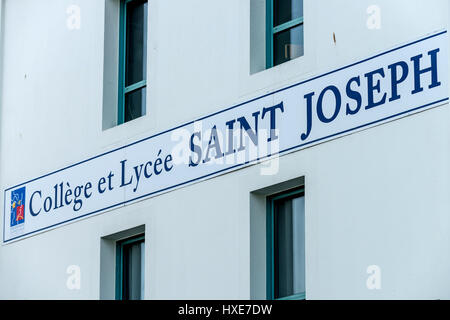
(379, 196)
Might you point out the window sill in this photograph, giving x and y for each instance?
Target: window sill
(278, 76)
(298, 296)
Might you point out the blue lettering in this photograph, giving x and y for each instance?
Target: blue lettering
(123, 175)
(308, 98)
(197, 149)
(433, 69)
(252, 134)
(371, 88)
(395, 80)
(32, 212)
(337, 96)
(272, 112)
(215, 145)
(355, 95)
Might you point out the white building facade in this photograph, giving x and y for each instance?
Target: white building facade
(369, 175)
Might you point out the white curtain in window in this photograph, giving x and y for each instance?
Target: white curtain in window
(298, 244)
(142, 269)
(290, 247)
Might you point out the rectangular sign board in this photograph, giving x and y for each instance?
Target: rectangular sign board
(404, 80)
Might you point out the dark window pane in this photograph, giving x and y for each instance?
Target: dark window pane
(286, 10)
(288, 45)
(289, 247)
(132, 281)
(135, 103)
(136, 46)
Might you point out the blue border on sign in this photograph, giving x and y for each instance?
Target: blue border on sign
(229, 168)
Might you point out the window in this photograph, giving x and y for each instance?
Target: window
(133, 60)
(284, 35)
(286, 245)
(130, 255)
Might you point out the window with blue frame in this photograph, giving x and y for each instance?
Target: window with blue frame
(284, 34)
(286, 245)
(133, 60)
(130, 257)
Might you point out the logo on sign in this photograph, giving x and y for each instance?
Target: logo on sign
(17, 206)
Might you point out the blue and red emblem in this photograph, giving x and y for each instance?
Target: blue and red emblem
(17, 206)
